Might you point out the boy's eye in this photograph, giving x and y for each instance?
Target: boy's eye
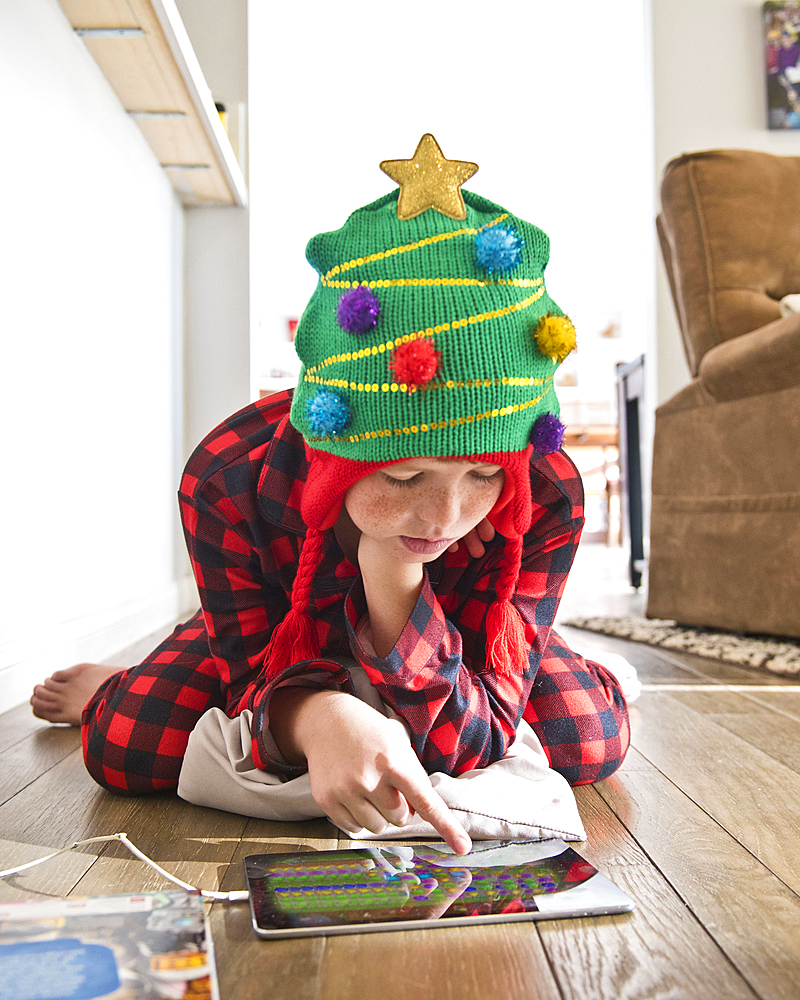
(400, 483)
(484, 478)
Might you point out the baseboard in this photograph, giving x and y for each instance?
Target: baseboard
(95, 638)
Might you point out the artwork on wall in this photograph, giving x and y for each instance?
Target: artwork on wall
(782, 50)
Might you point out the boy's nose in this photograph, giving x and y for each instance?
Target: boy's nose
(441, 509)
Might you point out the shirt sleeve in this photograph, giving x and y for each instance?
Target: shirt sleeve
(241, 604)
(241, 594)
(242, 601)
(461, 715)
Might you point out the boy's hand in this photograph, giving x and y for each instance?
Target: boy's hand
(364, 772)
(474, 539)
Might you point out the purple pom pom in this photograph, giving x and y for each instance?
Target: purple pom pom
(498, 249)
(358, 310)
(547, 434)
(328, 412)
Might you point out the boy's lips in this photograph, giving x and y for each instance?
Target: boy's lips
(425, 546)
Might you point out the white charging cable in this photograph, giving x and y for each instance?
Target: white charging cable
(237, 896)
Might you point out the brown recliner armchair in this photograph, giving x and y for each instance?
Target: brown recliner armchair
(725, 516)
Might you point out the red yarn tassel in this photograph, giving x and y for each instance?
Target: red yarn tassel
(293, 641)
(505, 639)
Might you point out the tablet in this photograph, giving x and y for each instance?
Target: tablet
(382, 888)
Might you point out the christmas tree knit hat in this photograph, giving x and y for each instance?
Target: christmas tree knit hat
(430, 334)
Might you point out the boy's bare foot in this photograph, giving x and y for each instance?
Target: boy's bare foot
(61, 698)
(622, 669)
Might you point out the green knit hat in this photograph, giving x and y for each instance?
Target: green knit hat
(430, 336)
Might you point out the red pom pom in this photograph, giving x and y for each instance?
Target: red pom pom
(415, 363)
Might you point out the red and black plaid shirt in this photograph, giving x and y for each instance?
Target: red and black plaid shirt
(240, 504)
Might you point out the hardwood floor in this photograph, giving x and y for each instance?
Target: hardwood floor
(700, 826)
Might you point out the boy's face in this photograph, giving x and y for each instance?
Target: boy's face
(420, 507)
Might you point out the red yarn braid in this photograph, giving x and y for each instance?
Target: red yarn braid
(295, 638)
(506, 649)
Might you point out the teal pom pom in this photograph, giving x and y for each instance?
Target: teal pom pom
(498, 249)
(328, 412)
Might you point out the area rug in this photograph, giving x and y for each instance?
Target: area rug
(780, 656)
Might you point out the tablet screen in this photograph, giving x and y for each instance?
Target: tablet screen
(378, 885)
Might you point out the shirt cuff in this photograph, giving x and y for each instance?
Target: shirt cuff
(317, 675)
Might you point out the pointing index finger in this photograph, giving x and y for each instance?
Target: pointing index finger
(429, 805)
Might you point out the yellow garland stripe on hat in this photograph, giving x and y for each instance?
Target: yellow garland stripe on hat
(418, 334)
(434, 283)
(503, 411)
(470, 383)
(392, 251)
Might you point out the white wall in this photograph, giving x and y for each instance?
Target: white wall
(217, 356)
(217, 251)
(549, 99)
(91, 396)
(709, 93)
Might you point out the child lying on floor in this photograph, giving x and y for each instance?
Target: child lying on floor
(406, 507)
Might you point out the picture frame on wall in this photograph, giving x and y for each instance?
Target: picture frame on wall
(782, 56)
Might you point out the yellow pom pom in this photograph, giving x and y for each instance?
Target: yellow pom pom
(555, 336)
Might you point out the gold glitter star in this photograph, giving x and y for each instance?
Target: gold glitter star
(429, 180)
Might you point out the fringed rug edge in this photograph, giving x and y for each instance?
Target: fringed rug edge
(773, 654)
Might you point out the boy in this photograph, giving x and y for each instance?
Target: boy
(407, 507)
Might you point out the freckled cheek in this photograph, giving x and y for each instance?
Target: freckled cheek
(478, 504)
(374, 511)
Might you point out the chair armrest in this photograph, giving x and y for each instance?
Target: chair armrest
(764, 360)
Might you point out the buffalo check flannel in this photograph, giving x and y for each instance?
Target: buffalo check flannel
(240, 506)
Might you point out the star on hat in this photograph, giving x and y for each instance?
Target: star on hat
(429, 180)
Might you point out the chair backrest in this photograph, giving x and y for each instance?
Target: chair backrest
(730, 237)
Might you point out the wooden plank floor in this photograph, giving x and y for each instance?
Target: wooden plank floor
(701, 826)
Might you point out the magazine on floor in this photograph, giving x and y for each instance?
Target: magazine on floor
(138, 946)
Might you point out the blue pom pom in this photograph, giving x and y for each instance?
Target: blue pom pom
(358, 310)
(328, 412)
(547, 434)
(498, 249)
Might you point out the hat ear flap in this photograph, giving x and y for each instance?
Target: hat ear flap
(513, 511)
